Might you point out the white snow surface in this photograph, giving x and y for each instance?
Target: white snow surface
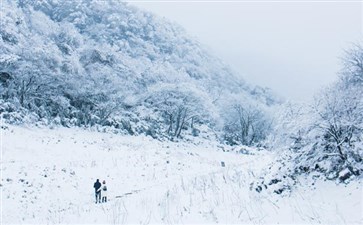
(47, 177)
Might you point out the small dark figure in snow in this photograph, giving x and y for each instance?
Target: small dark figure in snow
(104, 192)
(97, 187)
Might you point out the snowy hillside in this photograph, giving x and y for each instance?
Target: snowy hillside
(48, 176)
(87, 63)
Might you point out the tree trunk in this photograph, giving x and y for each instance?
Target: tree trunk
(170, 128)
(177, 125)
(182, 124)
(342, 156)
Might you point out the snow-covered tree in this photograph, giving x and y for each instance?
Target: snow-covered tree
(180, 106)
(245, 122)
(327, 136)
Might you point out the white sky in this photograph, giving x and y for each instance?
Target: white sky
(291, 47)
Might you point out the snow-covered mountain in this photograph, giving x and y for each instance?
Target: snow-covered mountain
(105, 62)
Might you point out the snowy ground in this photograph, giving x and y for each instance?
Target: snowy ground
(48, 175)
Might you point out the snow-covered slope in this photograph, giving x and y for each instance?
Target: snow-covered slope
(81, 63)
(48, 176)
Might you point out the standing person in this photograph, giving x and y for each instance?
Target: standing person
(104, 192)
(97, 187)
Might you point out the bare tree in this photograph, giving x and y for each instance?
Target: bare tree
(246, 124)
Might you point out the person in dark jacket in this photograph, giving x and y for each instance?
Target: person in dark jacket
(97, 187)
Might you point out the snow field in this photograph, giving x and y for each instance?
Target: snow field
(48, 176)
